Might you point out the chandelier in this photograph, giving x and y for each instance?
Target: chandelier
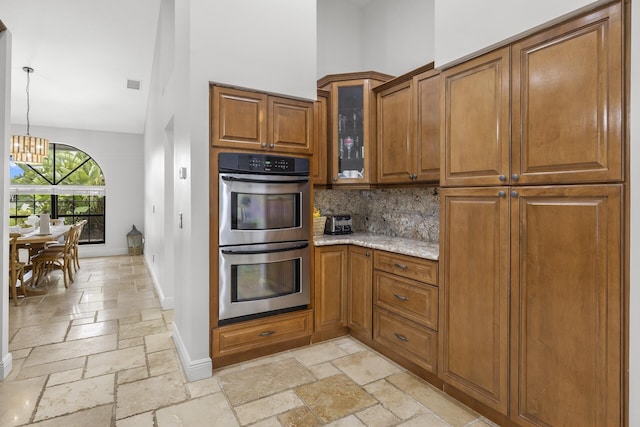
(26, 148)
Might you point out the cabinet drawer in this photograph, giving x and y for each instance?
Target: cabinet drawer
(422, 270)
(413, 300)
(257, 333)
(410, 340)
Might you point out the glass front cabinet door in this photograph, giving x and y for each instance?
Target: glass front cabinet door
(351, 152)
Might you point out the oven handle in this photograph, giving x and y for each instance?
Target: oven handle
(269, 251)
(261, 181)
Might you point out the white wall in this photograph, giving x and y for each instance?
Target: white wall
(340, 45)
(269, 46)
(120, 156)
(6, 361)
(467, 26)
(398, 35)
(389, 36)
(159, 175)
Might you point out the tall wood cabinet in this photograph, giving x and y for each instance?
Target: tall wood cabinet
(531, 295)
(474, 293)
(566, 306)
(254, 120)
(408, 131)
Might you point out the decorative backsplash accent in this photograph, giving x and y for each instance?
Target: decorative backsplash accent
(407, 212)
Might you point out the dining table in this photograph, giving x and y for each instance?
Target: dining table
(35, 241)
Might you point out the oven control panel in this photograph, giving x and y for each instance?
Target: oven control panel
(264, 164)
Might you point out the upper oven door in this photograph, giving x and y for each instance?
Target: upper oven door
(263, 208)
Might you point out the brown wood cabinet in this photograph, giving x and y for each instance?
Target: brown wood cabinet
(252, 120)
(396, 145)
(566, 117)
(406, 310)
(359, 293)
(254, 338)
(427, 136)
(408, 134)
(567, 102)
(352, 126)
(475, 121)
(566, 306)
(474, 293)
(330, 295)
(544, 263)
(319, 167)
(531, 294)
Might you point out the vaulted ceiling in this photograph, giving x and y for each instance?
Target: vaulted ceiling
(83, 53)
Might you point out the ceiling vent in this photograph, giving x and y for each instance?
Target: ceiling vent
(133, 84)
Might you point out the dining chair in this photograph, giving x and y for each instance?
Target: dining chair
(18, 277)
(76, 262)
(57, 256)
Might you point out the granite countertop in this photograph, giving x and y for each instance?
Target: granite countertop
(400, 245)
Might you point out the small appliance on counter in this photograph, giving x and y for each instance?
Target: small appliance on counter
(338, 224)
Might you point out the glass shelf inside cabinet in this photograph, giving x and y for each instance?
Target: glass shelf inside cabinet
(350, 132)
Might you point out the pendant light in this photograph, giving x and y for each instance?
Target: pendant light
(26, 148)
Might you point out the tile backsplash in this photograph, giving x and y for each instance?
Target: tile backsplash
(407, 212)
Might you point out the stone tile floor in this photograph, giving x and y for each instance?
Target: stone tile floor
(100, 353)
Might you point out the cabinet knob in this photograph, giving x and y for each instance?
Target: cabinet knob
(367, 253)
(264, 145)
(336, 178)
(515, 177)
(272, 145)
(501, 193)
(502, 178)
(514, 194)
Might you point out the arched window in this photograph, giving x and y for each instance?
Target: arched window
(69, 185)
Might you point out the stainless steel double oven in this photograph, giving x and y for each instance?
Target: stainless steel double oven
(264, 255)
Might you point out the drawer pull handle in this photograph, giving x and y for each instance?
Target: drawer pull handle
(401, 337)
(402, 266)
(266, 333)
(401, 297)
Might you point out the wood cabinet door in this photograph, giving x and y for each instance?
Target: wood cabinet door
(427, 124)
(331, 265)
(319, 167)
(475, 121)
(359, 291)
(290, 125)
(474, 293)
(396, 149)
(567, 102)
(566, 306)
(239, 118)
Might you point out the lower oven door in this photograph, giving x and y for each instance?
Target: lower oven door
(256, 280)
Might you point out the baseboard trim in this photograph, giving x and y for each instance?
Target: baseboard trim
(194, 369)
(5, 366)
(167, 303)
